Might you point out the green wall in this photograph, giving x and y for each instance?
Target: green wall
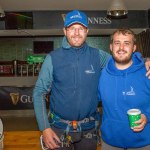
(19, 48)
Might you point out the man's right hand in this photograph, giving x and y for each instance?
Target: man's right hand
(50, 138)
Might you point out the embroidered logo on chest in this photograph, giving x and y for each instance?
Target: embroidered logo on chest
(91, 70)
(130, 92)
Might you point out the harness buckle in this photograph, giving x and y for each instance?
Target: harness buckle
(74, 124)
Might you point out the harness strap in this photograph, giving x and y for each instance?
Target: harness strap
(85, 120)
(76, 125)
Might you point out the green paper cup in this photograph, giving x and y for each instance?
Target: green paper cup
(133, 115)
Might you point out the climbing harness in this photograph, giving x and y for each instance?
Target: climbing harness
(75, 126)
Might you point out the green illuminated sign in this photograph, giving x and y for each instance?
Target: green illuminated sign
(32, 59)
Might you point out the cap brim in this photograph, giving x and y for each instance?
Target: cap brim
(74, 22)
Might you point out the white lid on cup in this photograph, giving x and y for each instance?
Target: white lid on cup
(133, 111)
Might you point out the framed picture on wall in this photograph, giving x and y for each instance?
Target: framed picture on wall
(40, 47)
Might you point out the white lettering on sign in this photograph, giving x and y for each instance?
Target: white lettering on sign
(26, 99)
(99, 20)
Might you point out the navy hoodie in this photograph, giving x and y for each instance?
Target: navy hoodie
(119, 91)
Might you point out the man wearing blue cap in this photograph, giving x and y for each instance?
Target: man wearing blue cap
(71, 74)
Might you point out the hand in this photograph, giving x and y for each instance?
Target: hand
(142, 122)
(50, 138)
(147, 65)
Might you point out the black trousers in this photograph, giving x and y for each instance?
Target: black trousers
(79, 142)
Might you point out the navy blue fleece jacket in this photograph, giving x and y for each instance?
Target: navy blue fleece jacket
(71, 74)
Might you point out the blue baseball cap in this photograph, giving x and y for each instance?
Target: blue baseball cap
(76, 16)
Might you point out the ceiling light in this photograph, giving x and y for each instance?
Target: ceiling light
(2, 13)
(117, 9)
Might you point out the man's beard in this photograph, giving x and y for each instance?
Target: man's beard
(76, 42)
(124, 60)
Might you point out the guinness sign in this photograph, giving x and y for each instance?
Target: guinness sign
(14, 98)
(17, 98)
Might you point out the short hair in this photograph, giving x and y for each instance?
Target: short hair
(124, 31)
